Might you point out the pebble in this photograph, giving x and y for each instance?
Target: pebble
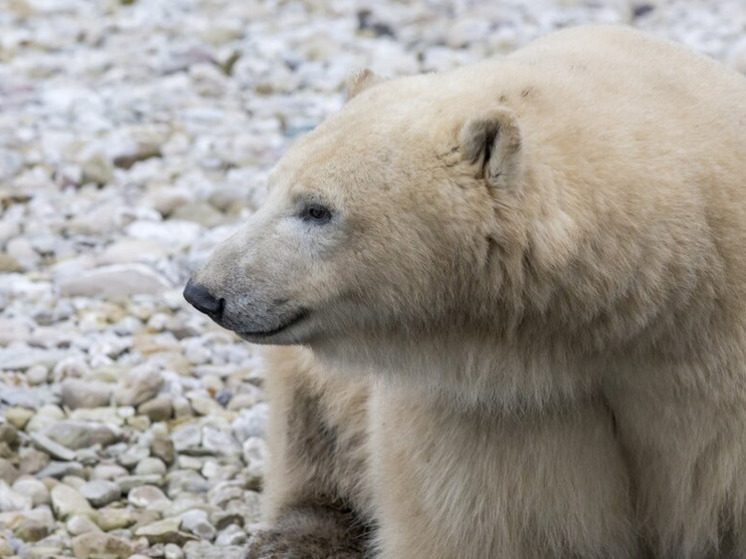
(196, 522)
(79, 393)
(109, 519)
(157, 409)
(137, 386)
(97, 544)
(114, 281)
(150, 466)
(145, 496)
(68, 502)
(34, 489)
(76, 435)
(165, 531)
(77, 525)
(100, 492)
(11, 500)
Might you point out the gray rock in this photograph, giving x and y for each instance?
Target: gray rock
(98, 544)
(163, 448)
(115, 281)
(165, 531)
(101, 492)
(32, 461)
(232, 536)
(30, 530)
(9, 435)
(109, 519)
(78, 393)
(11, 500)
(196, 522)
(219, 441)
(59, 470)
(80, 434)
(157, 409)
(108, 472)
(133, 456)
(56, 450)
(185, 437)
(151, 466)
(8, 472)
(77, 525)
(18, 417)
(186, 481)
(172, 551)
(34, 489)
(145, 496)
(22, 359)
(137, 386)
(127, 483)
(205, 550)
(68, 502)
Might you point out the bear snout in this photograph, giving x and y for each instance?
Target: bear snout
(200, 298)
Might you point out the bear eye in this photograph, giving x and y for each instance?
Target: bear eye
(316, 213)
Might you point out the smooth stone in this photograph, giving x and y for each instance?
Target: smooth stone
(157, 409)
(78, 393)
(33, 488)
(11, 500)
(9, 435)
(114, 281)
(133, 456)
(150, 465)
(127, 483)
(163, 448)
(109, 472)
(196, 522)
(101, 492)
(25, 358)
(205, 550)
(172, 551)
(8, 472)
(44, 417)
(137, 386)
(80, 434)
(32, 530)
(18, 417)
(145, 496)
(98, 544)
(186, 481)
(232, 535)
(68, 502)
(77, 525)
(56, 450)
(58, 470)
(109, 519)
(186, 437)
(164, 531)
(32, 461)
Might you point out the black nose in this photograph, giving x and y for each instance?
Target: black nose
(198, 296)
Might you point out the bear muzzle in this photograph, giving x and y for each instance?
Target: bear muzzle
(201, 299)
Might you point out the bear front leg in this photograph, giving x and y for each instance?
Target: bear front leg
(315, 490)
(476, 483)
(313, 532)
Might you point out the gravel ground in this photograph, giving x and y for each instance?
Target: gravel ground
(134, 136)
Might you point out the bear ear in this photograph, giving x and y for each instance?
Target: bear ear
(493, 141)
(360, 81)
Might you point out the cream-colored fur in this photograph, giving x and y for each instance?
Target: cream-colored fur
(525, 318)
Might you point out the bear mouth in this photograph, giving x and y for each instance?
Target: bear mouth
(262, 334)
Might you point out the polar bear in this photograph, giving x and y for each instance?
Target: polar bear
(508, 305)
